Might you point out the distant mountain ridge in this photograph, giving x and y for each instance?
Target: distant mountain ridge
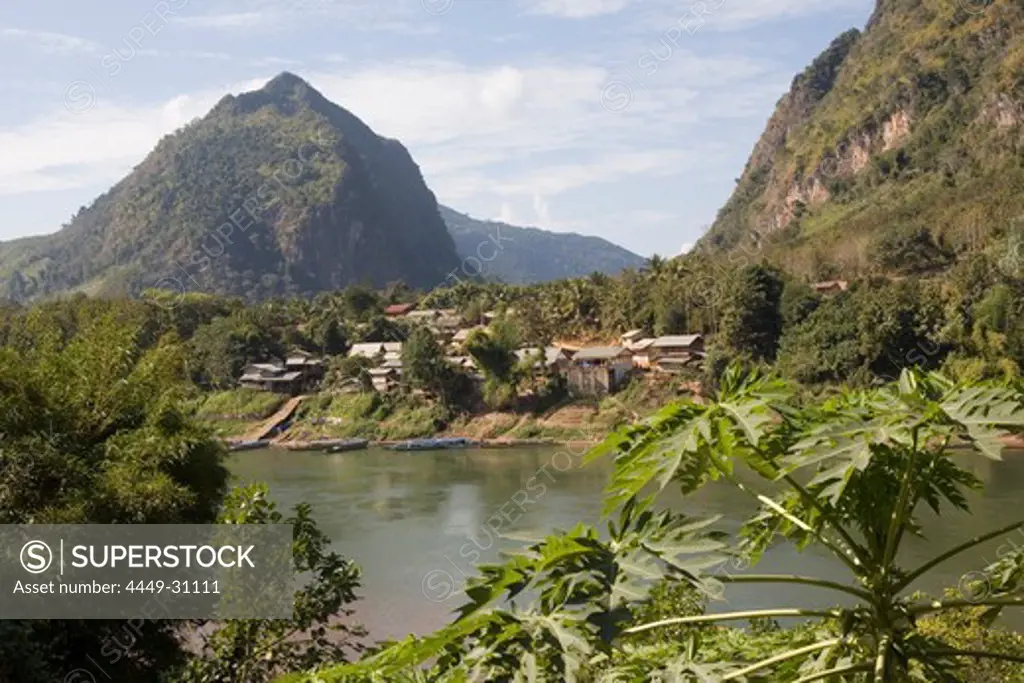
(529, 255)
(901, 140)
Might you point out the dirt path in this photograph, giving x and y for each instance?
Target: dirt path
(267, 426)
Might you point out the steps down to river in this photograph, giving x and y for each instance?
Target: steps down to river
(285, 412)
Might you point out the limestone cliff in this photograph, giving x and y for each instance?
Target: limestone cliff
(913, 124)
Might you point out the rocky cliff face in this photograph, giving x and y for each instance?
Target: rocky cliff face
(914, 123)
(274, 192)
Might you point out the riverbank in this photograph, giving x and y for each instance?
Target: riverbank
(388, 418)
(325, 444)
(384, 420)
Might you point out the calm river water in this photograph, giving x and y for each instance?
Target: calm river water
(418, 523)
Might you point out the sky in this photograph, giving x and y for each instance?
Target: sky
(626, 119)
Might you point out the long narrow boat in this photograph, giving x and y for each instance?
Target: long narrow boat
(348, 445)
(443, 443)
(247, 445)
(325, 445)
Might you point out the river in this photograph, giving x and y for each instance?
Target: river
(418, 523)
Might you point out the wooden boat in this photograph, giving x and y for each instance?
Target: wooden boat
(325, 445)
(444, 443)
(247, 445)
(348, 445)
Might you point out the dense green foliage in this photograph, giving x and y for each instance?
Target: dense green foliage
(493, 350)
(425, 367)
(851, 476)
(515, 255)
(752, 313)
(93, 432)
(869, 332)
(98, 425)
(246, 651)
(969, 321)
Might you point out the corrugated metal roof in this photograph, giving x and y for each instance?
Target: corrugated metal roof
(269, 367)
(599, 353)
(365, 349)
(676, 340)
(551, 354)
(286, 377)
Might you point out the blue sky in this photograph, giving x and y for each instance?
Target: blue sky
(628, 119)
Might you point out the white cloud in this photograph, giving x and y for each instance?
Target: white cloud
(642, 217)
(735, 13)
(395, 16)
(603, 168)
(575, 9)
(65, 150)
(507, 214)
(50, 43)
(541, 209)
(728, 15)
(275, 62)
(230, 21)
(502, 90)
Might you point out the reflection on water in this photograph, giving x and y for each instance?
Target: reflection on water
(419, 523)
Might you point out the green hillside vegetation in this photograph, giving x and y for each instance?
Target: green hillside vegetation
(914, 125)
(274, 192)
(240, 403)
(527, 255)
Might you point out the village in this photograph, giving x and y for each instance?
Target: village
(587, 371)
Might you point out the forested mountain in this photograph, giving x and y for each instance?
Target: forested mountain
(273, 192)
(897, 149)
(532, 255)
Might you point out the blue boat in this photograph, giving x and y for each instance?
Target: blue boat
(438, 444)
(327, 445)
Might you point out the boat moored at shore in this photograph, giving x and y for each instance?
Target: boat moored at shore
(438, 444)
